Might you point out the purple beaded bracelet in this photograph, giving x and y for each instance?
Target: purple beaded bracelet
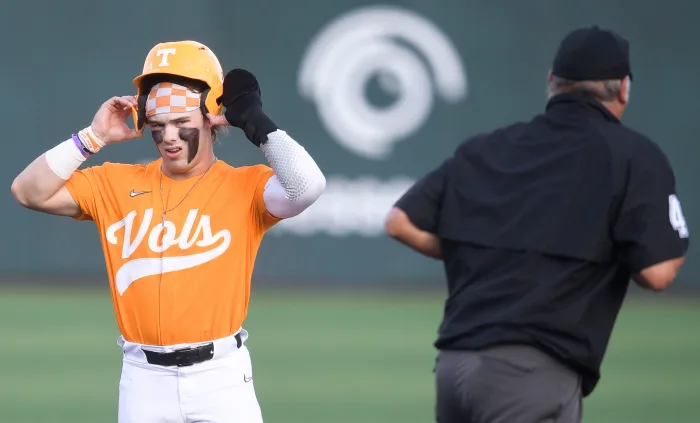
(79, 144)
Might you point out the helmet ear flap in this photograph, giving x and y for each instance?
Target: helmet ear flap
(211, 100)
(140, 120)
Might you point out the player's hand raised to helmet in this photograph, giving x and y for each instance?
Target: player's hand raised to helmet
(241, 97)
(243, 102)
(109, 122)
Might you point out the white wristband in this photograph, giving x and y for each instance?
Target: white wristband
(64, 159)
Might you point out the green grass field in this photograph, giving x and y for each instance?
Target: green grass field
(329, 357)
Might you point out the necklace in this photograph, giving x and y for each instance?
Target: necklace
(188, 192)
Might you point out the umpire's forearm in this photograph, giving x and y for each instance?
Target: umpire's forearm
(400, 227)
(422, 242)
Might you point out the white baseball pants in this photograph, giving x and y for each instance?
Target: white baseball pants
(219, 390)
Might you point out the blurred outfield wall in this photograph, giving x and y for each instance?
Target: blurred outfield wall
(379, 93)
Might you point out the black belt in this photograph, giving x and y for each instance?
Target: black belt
(185, 356)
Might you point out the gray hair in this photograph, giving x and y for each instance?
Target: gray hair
(607, 90)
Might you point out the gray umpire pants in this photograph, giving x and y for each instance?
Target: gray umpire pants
(505, 384)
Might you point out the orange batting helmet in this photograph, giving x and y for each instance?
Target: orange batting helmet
(187, 59)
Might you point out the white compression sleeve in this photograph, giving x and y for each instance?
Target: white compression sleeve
(298, 181)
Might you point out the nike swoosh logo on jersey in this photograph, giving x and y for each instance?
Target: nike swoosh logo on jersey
(135, 193)
(247, 379)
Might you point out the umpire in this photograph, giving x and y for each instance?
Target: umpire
(541, 225)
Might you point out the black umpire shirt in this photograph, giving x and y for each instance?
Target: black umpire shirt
(542, 224)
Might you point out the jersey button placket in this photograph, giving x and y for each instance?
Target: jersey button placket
(161, 224)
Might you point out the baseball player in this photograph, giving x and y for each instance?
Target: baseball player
(180, 234)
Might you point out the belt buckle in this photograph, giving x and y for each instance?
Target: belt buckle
(180, 358)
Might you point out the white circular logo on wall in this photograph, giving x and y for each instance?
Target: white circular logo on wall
(404, 52)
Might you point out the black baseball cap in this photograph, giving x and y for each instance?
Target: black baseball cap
(592, 54)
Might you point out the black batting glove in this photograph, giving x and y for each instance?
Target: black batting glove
(243, 102)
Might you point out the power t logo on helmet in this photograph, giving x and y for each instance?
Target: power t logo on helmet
(180, 234)
(165, 52)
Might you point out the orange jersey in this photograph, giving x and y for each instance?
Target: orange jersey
(185, 277)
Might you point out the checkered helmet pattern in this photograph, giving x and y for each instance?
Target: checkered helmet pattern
(167, 97)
